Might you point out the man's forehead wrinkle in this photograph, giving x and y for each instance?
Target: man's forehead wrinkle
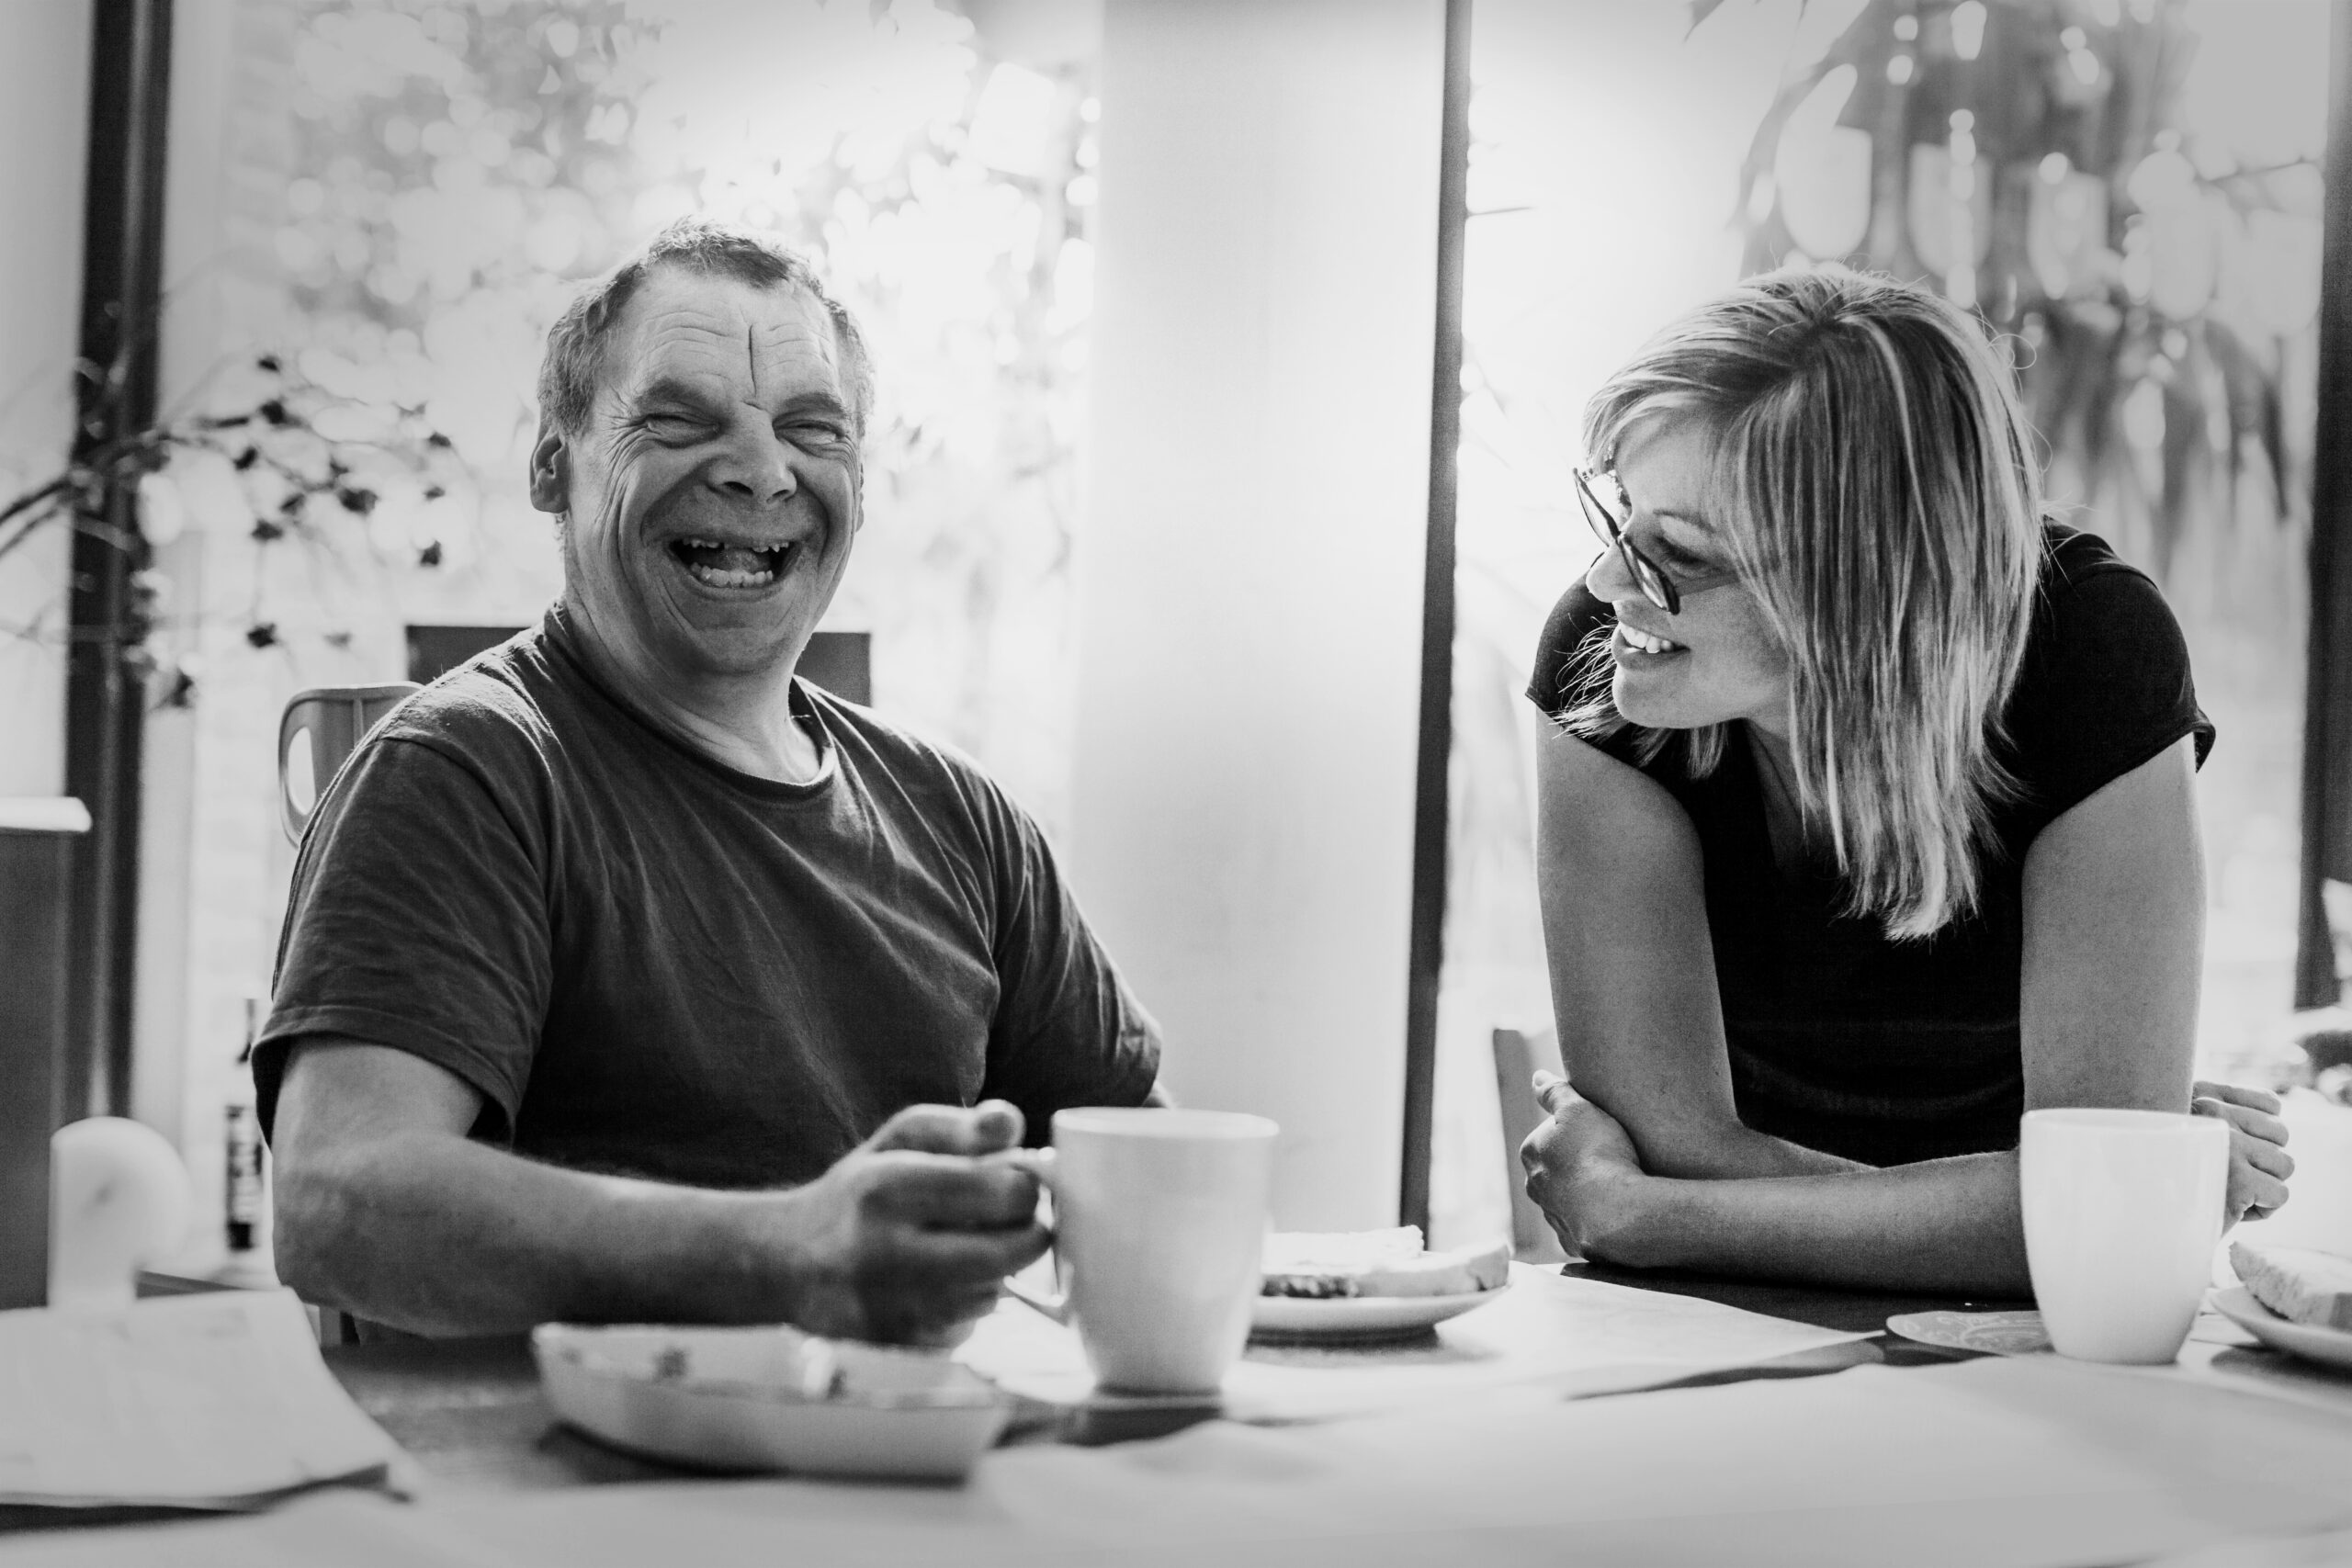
(717, 342)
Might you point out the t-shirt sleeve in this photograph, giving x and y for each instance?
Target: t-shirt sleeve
(1067, 1032)
(2110, 689)
(1572, 624)
(417, 920)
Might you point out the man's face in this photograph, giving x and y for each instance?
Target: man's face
(713, 495)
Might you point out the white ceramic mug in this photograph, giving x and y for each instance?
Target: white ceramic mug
(1159, 1224)
(2122, 1211)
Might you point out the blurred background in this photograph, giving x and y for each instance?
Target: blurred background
(1156, 292)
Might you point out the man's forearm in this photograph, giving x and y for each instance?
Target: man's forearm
(434, 1233)
(1942, 1225)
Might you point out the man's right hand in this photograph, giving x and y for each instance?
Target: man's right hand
(909, 1235)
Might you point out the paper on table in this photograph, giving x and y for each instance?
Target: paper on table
(1568, 1335)
(211, 1401)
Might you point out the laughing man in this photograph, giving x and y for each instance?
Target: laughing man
(627, 977)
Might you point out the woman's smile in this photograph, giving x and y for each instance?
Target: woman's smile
(1639, 647)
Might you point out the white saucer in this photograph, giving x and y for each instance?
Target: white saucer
(1358, 1317)
(2333, 1345)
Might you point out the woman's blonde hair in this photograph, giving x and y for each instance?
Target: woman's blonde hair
(1875, 484)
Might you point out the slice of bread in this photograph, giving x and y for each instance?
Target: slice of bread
(1321, 1264)
(2298, 1283)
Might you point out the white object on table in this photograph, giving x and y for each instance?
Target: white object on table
(769, 1398)
(2331, 1347)
(1161, 1220)
(118, 1198)
(1341, 1319)
(216, 1400)
(2123, 1211)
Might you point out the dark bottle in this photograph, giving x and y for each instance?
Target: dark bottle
(243, 1194)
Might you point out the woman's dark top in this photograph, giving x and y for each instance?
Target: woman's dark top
(1889, 1052)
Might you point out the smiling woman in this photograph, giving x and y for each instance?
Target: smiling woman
(1867, 823)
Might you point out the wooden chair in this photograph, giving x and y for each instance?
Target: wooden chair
(1518, 1053)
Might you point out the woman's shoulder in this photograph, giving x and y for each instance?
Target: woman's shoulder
(2106, 682)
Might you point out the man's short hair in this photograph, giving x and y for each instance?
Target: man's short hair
(574, 365)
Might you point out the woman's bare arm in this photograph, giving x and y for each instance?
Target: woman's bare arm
(1634, 971)
(2114, 912)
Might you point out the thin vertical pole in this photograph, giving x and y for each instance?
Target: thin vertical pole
(2327, 686)
(1431, 814)
(121, 279)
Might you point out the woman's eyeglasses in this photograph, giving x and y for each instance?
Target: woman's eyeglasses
(1609, 520)
(1609, 523)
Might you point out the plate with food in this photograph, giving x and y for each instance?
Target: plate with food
(769, 1398)
(2294, 1299)
(1353, 1285)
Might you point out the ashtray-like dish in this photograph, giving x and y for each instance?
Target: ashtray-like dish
(769, 1398)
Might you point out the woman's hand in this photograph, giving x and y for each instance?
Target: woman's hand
(2259, 1163)
(1582, 1169)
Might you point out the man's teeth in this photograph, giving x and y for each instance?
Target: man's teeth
(1646, 642)
(717, 578)
(718, 564)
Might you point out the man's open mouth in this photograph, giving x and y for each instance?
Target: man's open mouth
(717, 564)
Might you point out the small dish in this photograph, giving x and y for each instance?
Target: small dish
(2331, 1346)
(1341, 1319)
(769, 1398)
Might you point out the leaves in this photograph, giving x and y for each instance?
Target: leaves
(2152, 412)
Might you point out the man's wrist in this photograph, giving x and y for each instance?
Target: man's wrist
(777, 1259)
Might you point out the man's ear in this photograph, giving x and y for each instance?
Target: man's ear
(550, 469)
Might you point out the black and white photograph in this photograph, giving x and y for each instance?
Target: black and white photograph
(1041, 782)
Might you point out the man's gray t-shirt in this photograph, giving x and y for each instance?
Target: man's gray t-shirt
(647, 962)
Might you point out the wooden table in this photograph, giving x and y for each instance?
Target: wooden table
(470, 1411)
(503, 1481)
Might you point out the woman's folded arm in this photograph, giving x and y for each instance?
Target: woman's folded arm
(1633, 969)
(1946, 1225)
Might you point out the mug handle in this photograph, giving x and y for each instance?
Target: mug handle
(1039, 1163)
(1055, 1308)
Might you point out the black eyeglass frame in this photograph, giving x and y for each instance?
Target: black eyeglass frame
(1647, 575)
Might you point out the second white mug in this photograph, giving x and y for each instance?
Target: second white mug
(2122, 1211)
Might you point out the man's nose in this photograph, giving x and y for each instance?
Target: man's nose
(756, 467)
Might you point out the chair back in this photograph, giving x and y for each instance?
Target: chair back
(317, 734)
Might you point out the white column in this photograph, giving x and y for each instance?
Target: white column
(1250, 559)
(44, 126)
